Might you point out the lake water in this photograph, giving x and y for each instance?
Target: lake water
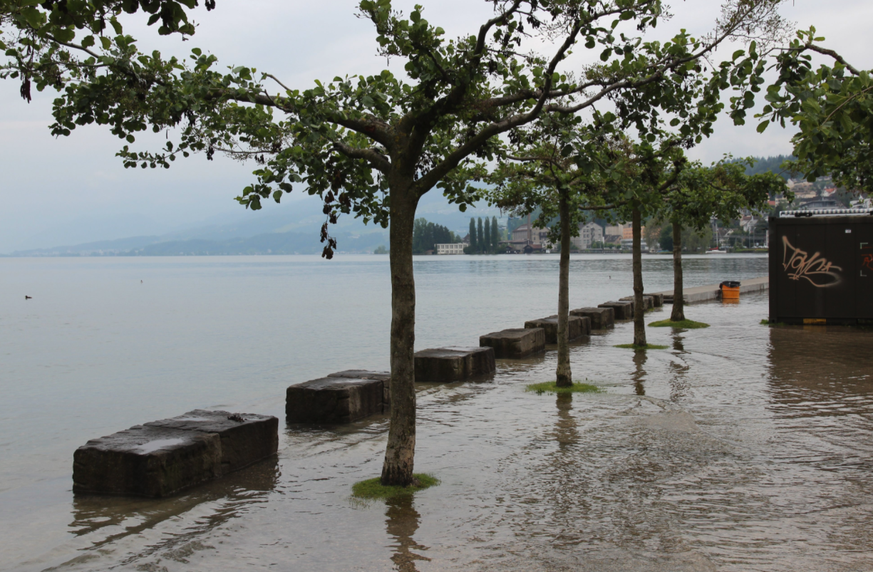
(740, 447)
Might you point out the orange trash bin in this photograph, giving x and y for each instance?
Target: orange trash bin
(730, 290)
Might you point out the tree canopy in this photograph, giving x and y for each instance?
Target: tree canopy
(831, 105)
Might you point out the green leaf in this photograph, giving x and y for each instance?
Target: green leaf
(762, 126)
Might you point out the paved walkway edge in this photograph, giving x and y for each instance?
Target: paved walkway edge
(713, 292)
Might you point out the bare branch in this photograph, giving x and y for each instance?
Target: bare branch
(832, 54)
(373, 156)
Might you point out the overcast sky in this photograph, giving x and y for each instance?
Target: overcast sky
(74, 189)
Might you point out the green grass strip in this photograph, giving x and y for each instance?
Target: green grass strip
(551, 387)
(373, 489)
(639, 348)
(686, 324)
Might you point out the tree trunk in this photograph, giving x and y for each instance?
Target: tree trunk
(678, 313)
(564, 376)
(400, 452)
(639, 307)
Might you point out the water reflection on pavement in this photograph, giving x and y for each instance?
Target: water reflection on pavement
(739, 447)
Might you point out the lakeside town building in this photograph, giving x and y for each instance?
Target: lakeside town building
(450, 248)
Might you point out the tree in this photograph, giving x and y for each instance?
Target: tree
(486, 236)
(832, 106)
(700, 194)
(539, 175)
(426, 235)
(495, 235)
(473, 243)
(480, 237)
(652, 232)
(368, 146)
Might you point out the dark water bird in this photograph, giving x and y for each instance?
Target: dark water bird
(26, 297)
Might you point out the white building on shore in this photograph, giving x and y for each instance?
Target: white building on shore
(450, 248)
(588, 233)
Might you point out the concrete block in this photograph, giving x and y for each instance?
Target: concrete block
(245, 438)
(648, 301)
(163, 457)
(601, 318)
(383, 376)
(454, 363)
(624, 310)
(334, 399)
(515, 343)
(658, 299)
(577, 327)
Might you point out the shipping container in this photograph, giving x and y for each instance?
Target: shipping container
(821, 269)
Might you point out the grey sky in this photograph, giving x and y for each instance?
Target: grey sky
(73, 189)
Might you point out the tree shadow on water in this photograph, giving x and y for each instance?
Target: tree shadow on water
(678, 366)
(401, 522)
(566, 431)
(639, 374)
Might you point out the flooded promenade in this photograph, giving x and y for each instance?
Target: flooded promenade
(739, 447)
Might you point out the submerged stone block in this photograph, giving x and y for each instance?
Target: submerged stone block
(454, 363)
(657, 299)
(335, 399)
(245, 437)
(383, 376)
(163, 457)
(624, 310)
(648, 302)
(577, 327)
(601, 318)
(515, 343)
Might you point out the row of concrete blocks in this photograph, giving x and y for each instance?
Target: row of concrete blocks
(348, 396)
(164, 457)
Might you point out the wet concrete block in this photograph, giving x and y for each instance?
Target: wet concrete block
(515, 343)
(577, 327)
(164, 457)
(454, 363)
(246, 438)
(383, 376)
(648, 302)
(334, 399)
(601, 318)
(624, 310)
(658, 299)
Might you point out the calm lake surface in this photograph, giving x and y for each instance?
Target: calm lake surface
(740, 447)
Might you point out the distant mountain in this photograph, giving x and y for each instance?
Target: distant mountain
(290, 228)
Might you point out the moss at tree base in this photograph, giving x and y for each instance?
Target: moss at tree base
(685, 324)
(373, 489)
(552, 387)
(638, 348)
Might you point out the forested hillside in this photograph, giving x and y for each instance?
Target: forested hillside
(774, 164)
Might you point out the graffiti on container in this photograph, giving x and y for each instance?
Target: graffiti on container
(799, 264)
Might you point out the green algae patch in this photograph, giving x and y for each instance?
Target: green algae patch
(373, 489)
(640, 348)
(685, 324)
(766, 322)
(551, 387)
